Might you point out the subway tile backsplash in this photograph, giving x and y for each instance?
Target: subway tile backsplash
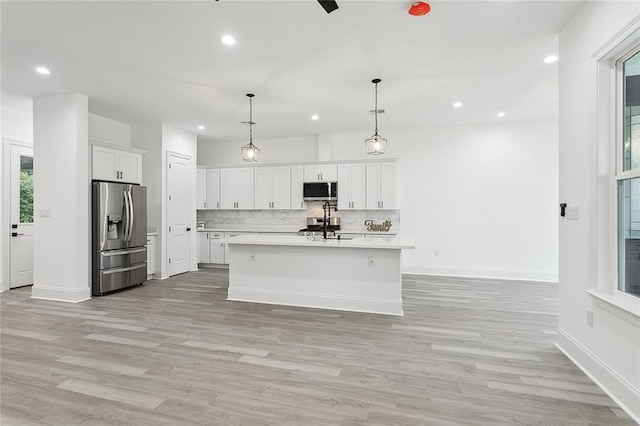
(350, 220)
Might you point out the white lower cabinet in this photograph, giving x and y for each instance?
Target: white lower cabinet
(151, 255)
(210, 249)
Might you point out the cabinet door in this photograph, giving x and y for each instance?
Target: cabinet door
(328, 172)
(151, 254)
(358, 186)
(262, 188)
(280, 187)
(216, 248)
(388, 186)
(344, 186)
(373, 186)
(203, 247)
(228, 188)
(104, 162)
(201, 189)
(130, 167)
(312, 173)
(245, 189)
(213, 189)
(297, 184)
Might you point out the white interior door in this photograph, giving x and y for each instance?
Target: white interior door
(178, 214)
(21, 254)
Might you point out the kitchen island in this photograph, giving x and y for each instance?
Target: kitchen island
(359, 274)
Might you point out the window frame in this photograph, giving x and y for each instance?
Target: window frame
(618, 145)
(608, 169)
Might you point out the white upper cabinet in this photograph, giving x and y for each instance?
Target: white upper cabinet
(116, 165)
(201, 188)
(212, 199)
(321, 173)
(351, 186)
(381, 179)
(236, 188)
(297, 184)
(272, 188)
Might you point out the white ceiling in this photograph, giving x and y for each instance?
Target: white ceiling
(145, 62)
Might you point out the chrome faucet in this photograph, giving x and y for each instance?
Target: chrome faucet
(326, 208)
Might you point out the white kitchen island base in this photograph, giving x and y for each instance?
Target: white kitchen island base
(355, 275)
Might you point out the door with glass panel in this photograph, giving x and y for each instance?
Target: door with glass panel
(21, 181)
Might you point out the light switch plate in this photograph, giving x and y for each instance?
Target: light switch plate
(572, 212)
(45, 212)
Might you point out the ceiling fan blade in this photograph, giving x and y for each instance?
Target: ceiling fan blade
(328, 5)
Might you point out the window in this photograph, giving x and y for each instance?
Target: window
(26, 189)
(628, 172)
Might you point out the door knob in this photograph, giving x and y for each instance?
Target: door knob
(188, 229)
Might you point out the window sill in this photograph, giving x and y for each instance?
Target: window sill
(620, 304)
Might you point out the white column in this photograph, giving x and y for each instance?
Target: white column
(62, 203)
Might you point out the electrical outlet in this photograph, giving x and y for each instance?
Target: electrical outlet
(370, 261)
(436, 253)
(590, 318)
(252, 257)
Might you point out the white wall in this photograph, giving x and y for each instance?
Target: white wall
(61, 187)
(107, 130)
(17, 125)
(285, 150)
(157, 139)
(485, 197)
(610, 350)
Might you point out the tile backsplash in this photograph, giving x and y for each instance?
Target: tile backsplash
(350, 220)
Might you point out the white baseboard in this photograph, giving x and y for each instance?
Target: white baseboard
(60, 294)
(622, 392)
(321, 301)
(545, 276)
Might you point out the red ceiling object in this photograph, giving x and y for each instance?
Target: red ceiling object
(419, 8)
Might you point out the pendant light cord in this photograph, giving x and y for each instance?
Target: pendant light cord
(376, 111)
(251, 121)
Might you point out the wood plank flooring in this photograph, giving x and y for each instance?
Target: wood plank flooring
(176, 352)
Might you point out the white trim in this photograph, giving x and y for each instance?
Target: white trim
(111, 145)
(515, 275)
(60, 294)
(319, 301)
(620, 391)
(618, 303)
(618, 43)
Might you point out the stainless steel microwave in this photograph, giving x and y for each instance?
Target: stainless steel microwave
(320, 191)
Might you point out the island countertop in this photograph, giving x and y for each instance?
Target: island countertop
(392, 243)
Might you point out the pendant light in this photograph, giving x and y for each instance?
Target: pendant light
(376, 144)
(250, 152)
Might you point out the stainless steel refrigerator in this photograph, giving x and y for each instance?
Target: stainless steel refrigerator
(119, 236)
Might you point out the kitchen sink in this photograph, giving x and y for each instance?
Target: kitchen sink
(341, 238)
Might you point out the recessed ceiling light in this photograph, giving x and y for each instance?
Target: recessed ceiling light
(315, 117)
(550, 59)
(200, 127)
(228, 40)
(43, 70)
(457, 104)
(501, 114)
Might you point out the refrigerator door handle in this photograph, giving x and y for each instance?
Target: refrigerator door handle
(128, 268)
(121, 252)
(126, 221)
(131, 215)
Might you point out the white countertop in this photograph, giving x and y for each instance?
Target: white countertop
(280, 229)
(301, 241)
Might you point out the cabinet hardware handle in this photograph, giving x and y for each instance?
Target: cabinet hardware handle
(218, 204)
(382, 204)
(205, 204)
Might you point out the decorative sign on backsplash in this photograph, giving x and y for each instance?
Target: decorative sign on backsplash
(377, 227)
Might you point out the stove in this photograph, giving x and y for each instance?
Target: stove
(316, 224)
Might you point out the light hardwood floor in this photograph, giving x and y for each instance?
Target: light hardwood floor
(175, 352)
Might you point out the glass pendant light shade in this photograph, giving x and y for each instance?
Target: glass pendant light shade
(250, 152)
(376, 144)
